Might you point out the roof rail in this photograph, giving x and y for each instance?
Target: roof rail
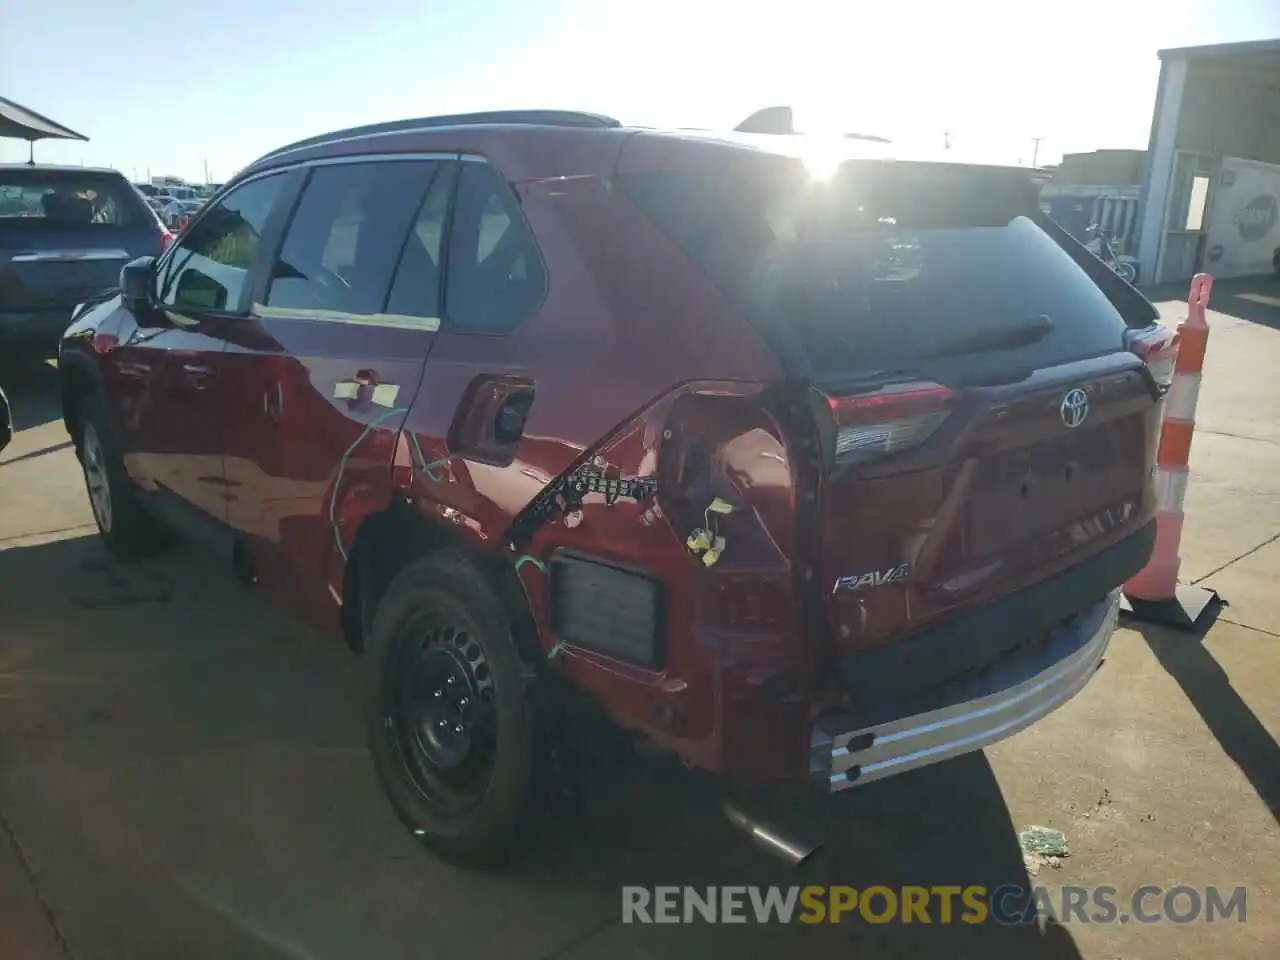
(546, 118)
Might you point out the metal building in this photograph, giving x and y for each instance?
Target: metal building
(1211, 190)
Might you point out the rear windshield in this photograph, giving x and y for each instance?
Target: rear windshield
(942, 270)
(55, 200)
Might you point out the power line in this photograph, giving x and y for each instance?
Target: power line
(1035, 152)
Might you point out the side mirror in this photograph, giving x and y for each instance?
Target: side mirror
(135, 283)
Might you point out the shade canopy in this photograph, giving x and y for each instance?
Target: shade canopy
(20, 123)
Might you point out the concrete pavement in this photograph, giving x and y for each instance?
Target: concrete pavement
(183, 773)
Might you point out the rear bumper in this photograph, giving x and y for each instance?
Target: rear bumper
(1006, 696)
(884, 680)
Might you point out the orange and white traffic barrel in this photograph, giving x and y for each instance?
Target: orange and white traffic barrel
(1158, 580)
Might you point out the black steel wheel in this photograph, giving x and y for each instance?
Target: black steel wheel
(443, 720)
(450, 724)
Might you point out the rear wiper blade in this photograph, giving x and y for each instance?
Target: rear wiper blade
(1030, 331)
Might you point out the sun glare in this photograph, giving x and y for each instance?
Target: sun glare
(822, 156)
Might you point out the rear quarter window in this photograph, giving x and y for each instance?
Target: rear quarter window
(885, 267)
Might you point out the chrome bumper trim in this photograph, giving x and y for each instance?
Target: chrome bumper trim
(997, 703)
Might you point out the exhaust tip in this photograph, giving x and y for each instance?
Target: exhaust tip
(794, 851)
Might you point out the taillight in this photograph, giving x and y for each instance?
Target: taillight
(888, 420)
(1158, 348)
(166, 239)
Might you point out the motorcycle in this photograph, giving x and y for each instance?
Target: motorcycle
(1103, 246)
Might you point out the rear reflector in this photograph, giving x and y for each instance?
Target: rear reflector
(887, 421)
(606, 608)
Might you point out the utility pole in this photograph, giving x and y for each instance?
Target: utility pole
(1035, 152)
(206, 169)
(946, 139)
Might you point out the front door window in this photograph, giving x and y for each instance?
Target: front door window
(209, 270)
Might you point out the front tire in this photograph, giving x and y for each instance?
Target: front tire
(126, 529)
(450, 724)
(1126, 271)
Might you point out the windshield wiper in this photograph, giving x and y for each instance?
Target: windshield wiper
(1030, 331)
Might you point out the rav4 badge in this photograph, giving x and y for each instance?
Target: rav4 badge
(873, 578)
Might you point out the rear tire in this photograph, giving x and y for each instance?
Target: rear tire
(450, 723)
(1126, 271)
(127, 531)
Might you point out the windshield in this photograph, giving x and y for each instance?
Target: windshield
(57, 199)
(886, 266)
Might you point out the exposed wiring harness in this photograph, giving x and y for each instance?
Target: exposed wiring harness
(565, 494)
(342, 467)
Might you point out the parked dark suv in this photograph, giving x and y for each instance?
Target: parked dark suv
(65, 232)
(803, 478)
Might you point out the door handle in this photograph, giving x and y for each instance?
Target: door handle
(273, 403)
(350, 388)
(365, 378)
(134, 371)
(198, 374)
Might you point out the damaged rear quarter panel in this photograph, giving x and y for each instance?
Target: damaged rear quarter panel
(632, 342)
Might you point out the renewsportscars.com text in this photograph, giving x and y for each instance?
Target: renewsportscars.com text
(1009, 904)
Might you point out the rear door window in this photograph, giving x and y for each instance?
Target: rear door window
(415, 290)
(887, 267)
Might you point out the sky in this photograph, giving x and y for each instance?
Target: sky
(181, 86)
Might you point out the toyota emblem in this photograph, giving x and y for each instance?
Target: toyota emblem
(1075, 407)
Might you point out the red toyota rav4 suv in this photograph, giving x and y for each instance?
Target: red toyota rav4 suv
(803, 477)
